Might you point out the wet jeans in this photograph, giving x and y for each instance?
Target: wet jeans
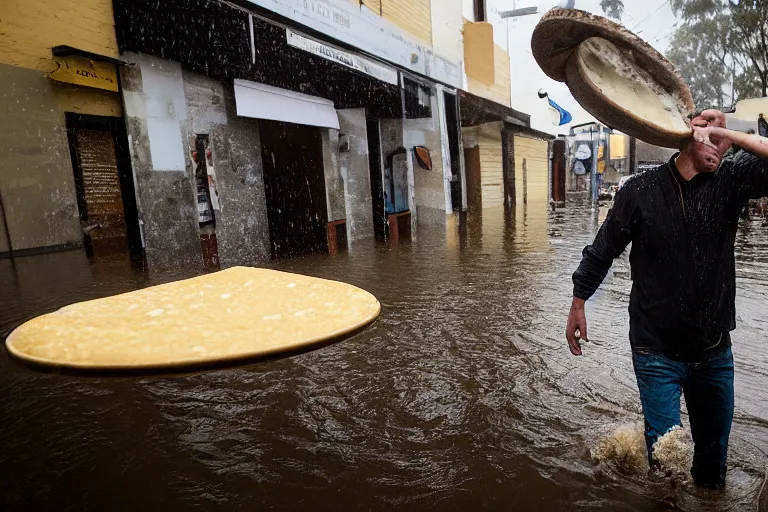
(708, 390)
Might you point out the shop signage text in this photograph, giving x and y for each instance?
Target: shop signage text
(367, 66)
(74, 69)
(360, 27)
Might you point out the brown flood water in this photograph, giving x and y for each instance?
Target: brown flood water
(463, 395)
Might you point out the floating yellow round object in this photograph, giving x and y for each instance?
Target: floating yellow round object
(236, 314)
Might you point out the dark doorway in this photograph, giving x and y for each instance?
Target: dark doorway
(106, 198)
(508, 166)
(294, 183)
(377, 187)
(558, 170)
(474, 184)
(454, 144)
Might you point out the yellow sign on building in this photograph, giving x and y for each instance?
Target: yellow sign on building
(601, 166)
(78, 70)
(619, 146)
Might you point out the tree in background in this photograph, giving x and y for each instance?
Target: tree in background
(613, 8)
(703, 57)
(720, 47)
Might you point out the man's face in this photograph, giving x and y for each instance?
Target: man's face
(707, 157)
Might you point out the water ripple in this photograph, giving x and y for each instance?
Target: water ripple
(462, 396)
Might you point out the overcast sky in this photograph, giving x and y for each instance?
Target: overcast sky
(652, 20)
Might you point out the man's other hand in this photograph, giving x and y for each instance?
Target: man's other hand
(576, 328)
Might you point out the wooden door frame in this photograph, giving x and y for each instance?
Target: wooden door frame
(558, 171)
(457, 159)
(474, 181)
(115, 126)
(508, 167)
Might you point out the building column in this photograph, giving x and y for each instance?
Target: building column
(355, 170)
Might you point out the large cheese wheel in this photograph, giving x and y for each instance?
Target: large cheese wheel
(614, 75)
(612, 86)
(239, 313)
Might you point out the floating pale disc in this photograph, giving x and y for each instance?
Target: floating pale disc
(616, 76)
(236, 314)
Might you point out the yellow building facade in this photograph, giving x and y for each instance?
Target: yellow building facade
(44, 185)
(484, 165)
(37, 182)
(486, 64)
(532, 191)
(531, 171)
(413, 16)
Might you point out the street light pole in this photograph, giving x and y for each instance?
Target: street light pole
(514, 13)
(525, 11)
(508, 53)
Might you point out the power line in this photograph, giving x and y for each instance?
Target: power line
(649, 15)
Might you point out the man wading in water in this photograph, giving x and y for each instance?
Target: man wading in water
(681, 219)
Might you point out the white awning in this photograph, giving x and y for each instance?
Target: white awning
(266, 102)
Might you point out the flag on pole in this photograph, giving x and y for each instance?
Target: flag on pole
(563, 115)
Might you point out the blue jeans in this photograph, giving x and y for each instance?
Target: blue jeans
(708, 389)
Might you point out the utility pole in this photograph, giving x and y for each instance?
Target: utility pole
(632, 155)
(593, 178)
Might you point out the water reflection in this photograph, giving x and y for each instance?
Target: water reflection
(462, 396)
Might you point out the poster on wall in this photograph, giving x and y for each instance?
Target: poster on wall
(201, 157)
(211, 172)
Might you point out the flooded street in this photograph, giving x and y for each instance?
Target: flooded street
(463, 395)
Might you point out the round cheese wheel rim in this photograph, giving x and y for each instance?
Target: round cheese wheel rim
(555, 39)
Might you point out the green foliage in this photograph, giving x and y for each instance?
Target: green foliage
(612, 8)
(700, 53)
(692, 9)
(720, 47)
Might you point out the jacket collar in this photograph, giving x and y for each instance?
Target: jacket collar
(679, 178)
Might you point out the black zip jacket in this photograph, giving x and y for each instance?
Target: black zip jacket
(683, 295)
